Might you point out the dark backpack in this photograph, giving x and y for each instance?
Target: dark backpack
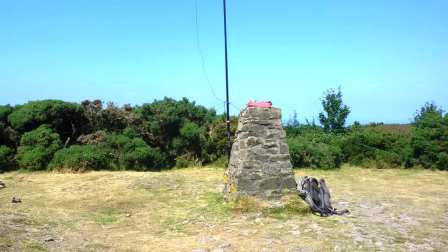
(317, 196)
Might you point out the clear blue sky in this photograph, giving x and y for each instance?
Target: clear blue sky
(389, 57)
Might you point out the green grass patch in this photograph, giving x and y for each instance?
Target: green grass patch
(216, 205)
(105, 216)
(33, 246)
(175, 224)
(294, 207)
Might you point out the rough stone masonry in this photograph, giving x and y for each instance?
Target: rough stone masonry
(259, 162)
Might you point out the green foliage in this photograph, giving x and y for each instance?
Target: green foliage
(8, 136)
(178, 127)
(308, 152)
(5, 110)
(37, 148)
(80, 158)
(6, 158)
(335, 112)
(140, 156)
(430, 109)
(192, 139)
(67, 119)
(168, 133)
(370, 147)
(133, 152)
(430, 139)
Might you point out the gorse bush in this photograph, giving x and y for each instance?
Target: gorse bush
(192, 138)
(374, 145)
(131, 152)
(178, 128)
(37, 148)
(307, 153)
(80, 158)
(138, 155)
(369, 147)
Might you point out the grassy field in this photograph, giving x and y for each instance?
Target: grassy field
(183, 210)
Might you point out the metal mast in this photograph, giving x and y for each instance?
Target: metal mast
(229, 144)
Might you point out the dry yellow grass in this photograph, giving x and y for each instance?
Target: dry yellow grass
(183, 210)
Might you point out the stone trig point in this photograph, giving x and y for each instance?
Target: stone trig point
(259, 163)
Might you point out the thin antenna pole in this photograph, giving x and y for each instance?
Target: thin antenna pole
(229, 144)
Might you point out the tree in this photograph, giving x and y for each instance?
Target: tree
(430, 109)
(335, 111)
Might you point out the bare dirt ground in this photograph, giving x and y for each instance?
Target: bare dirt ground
(183, 210)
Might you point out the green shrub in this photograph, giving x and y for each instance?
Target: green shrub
(80, 158)
(133, 153)
(306, 153)
(430, 139)
(6, 155)
(370, 146)
(178, 127)
(33, 158)
(442, 161)
(140, 156)
(37, 148)
(375, 148)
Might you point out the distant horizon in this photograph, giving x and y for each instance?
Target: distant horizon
(388, 57)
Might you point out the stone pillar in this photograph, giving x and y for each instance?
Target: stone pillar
(259, 164)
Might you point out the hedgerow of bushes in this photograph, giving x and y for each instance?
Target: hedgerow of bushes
(424, 144)
(57, 135)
